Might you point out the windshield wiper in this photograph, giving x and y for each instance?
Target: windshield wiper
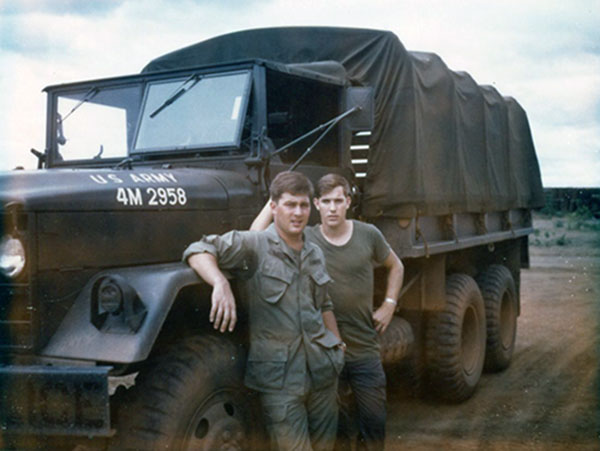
(126, 163)
(88, 96)
(181, 90)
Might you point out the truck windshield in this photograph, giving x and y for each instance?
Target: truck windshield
(96, 123)
(194, 113)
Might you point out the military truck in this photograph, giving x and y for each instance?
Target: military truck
(93, 290)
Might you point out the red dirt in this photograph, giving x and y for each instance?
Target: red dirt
(548, 398)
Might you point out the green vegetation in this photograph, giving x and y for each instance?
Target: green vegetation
(580, 219)
(564, 229)
(550, 239)
(582, 202)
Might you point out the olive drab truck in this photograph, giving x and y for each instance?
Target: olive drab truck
(104, 331)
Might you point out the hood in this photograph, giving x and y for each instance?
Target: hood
(114, 190)
(87, 218)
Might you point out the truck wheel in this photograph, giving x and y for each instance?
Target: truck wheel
(190, 398)
(455, 341)
(396, 342)
(499, 295)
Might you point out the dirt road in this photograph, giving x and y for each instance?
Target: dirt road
(548, 399)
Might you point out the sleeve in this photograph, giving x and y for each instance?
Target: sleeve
(322, 282)
(230, 249)
(381, 248)
(327, 305)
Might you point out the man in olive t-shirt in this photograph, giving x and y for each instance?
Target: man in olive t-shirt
(350, 267)
(352, 249)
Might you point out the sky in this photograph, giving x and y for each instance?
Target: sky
(546, 54)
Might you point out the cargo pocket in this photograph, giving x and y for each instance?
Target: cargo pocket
(275, 413)
(276, 279)
(266, 365)
(282, 431)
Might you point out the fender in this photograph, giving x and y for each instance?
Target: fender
(156, 286)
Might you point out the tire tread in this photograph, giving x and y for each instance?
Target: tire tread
(443, 339)
(146, 422)
(493, 282)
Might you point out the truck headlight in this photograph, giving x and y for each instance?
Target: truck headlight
(116, 306)
(12, 256)
(110, 296)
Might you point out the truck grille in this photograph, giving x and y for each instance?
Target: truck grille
(16, 317)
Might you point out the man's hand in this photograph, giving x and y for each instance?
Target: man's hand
(222, 312)
(383, 316)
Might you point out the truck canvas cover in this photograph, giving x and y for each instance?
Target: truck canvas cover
(441, 143)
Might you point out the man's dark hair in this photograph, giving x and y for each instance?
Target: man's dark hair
(331, 181)
(290, 182)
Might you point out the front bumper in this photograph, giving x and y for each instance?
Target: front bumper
(54, 400)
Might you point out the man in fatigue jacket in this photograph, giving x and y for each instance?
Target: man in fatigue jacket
(352, 249)
(295, 353)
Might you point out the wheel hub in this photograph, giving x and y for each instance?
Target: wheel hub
(470, 341)
(217, 425)
(507, 322)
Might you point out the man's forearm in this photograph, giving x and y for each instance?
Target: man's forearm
(384, 314)
(331, 323)
(395, 276)
(206, 266)
(263, 219)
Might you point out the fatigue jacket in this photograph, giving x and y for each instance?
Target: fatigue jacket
(291, 350)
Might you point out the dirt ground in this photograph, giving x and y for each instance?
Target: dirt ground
(548, 399)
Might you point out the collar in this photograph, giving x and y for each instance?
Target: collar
(275, 239)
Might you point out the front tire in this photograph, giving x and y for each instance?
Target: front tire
(500, 297)
(191, 397)
(455, 341)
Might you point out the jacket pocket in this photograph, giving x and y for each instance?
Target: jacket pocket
(275, 280)
(266, 365)
(328, 340)
(336, 356)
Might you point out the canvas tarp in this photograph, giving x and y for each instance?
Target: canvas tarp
(441, 143)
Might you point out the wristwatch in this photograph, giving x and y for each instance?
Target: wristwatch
(342, 346)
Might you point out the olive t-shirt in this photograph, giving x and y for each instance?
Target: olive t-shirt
(350, 267)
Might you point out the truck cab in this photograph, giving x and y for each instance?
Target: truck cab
(135, 168)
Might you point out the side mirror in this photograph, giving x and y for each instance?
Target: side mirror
(362, 97)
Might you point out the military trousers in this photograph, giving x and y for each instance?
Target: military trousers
(307, 422)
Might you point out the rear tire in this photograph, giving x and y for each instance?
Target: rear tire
(455, 341)
(396, 342)
(397, 350)
(191, 397)
(499, 295)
